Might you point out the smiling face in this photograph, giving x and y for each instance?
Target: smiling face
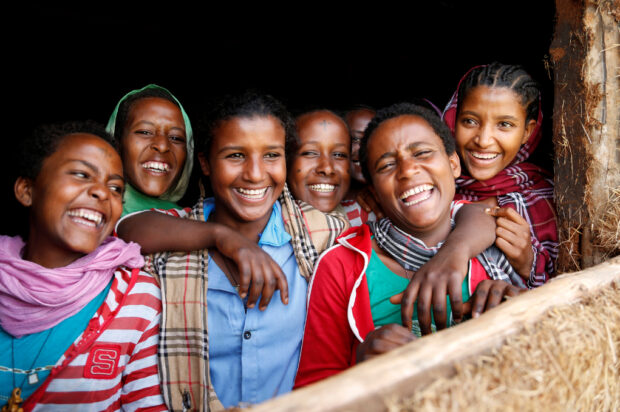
(75, 200)
(153, 145)
(357, 121)
(413, 177)
(247, 170)
(319, 172)
(490, 128)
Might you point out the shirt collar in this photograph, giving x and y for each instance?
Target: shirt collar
(274, 233)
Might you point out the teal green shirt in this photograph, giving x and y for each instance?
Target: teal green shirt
(383, 284)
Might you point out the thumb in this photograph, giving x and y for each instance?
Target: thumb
(396, 299)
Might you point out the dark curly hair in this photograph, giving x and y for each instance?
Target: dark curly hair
(246, 105)
(402, 109)
(125, 107)
(513, 77)
(44, 140)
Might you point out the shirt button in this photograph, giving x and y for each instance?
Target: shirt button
(247, 334)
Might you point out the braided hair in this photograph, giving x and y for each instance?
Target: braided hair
(513, 77)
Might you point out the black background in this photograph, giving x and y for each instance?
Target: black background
(75, 62)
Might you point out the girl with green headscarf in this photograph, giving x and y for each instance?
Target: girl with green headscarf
(156, 144)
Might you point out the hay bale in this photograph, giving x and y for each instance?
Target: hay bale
(568, 361)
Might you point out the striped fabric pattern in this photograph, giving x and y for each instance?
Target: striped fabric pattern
(125, 331)
(411, 253)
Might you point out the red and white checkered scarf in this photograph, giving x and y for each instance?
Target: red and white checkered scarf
(522, 186)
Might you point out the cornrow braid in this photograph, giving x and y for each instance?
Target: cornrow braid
(513, 77)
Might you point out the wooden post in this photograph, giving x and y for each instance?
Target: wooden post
(586, 121)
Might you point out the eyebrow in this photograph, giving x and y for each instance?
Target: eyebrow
(410, 147)
(96, 169)
(318, 142)
(153, 124)
(469, 112)
(241, 148)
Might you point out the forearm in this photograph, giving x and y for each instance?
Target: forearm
(158, 232)
(474, 231)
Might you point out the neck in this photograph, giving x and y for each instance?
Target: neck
(431, 237)
(47, 255)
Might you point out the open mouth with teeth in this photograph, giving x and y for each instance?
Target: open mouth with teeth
(156, 167)
(252, 194)
(484, 155)
(86, 217)
(322, 188)
(416, 195)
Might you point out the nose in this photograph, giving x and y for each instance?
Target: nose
(160, 142)
(408, 168)
(484, 138)
(99, 191)
(254, 170)
(325, 165)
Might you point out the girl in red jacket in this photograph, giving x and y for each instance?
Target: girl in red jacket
(409, 157)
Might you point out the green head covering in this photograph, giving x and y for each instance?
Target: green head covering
(133, 199)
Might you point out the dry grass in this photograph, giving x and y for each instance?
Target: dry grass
(608, 225)
(568, 361)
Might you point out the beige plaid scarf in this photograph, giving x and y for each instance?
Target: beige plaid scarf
(183, 277)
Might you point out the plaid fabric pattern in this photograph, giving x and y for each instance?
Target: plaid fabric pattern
(411, 253)
(524, 187)
(183, 277)
(311, 230)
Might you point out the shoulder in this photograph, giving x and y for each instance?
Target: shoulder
(136, 287)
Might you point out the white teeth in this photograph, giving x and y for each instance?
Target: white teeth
(92, 217)
(485, 156)
(323, 187)
(415, 191)
(156, 166)
(252, 193)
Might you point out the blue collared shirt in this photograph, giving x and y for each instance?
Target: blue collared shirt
(253, 354)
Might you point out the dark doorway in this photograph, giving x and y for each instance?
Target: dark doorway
(76, 62)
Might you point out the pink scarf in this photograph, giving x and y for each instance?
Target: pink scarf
(34, 298)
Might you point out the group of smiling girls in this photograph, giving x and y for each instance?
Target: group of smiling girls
(206, 307)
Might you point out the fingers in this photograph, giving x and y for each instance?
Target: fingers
(489, 294)
(424, 308)
(382, 340)
(440, 313)
(455, 290)
(408, 299)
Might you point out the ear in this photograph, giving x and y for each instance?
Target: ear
(529, 128)
(204, 164)
(23, 190)
(455, 164)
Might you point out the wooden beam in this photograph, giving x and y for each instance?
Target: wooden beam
(402, 371)
(584, 54)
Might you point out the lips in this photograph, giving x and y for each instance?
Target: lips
(87, 217)
(416, 194)
(156, 167)
(252, 194)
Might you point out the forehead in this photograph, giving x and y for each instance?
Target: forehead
(359, 118)
(321, 124)
(493, 98)
(87, 147)
(401, 132)
(255, 130)
(153, 104)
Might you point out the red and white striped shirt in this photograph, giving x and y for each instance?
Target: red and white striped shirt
(112, 365)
